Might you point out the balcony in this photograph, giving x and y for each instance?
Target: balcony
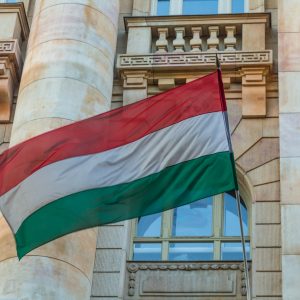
(182, 280)
(192, 42)
(170, 50)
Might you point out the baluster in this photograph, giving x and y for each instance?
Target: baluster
(162, 42)
(230, 40)
(179, 42)
(213, 41)
(196, 42)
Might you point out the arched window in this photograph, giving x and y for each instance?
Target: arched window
(204, 230)
(198, 7)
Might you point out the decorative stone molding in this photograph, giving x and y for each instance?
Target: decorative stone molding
(192, 60)
(141, 274)
(10, 73)
(254, 103)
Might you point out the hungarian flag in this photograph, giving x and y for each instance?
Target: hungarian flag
(159, 153)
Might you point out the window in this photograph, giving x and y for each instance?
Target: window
(198, 7)
(205, 230)
(163, 7)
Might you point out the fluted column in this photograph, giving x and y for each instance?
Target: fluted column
(67, 76)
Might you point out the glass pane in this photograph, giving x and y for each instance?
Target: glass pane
(194, 219)
(231, 219)
(191, 251)
(234, 251)
(163, 7)
(147, 251)
(200, 7)
(149, 226)
(237, 6)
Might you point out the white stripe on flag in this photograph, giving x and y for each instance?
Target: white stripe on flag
(189, 139)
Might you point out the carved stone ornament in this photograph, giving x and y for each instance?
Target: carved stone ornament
(139, 271)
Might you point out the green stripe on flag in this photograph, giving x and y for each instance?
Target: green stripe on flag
(186, 182)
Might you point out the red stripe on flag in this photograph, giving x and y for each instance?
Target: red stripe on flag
(110, 130)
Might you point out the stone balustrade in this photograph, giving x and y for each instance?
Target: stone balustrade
(178, 34)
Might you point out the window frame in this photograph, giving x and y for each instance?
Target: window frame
(166, 232)
(176, 7)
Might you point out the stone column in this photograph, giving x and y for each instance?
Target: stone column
(68, 76)
(289, 116)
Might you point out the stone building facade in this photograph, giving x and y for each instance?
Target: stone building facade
(84, 57)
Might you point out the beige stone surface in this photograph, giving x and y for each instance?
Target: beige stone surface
(267, 213)
(268, 284)
(41, 278)
(272, 107)
(8, 24)
(271, 4)
(141, 7)
(290, 278)
(289, 52)
(268, 259)
(288, 15)
(267, 149)
(108, 260)
(289, 97)
(290, 233)
(253, 37)
(267, 236)
(256, 6)
(266, 173)
(234, 109)
(267, 192)
(139, 40)
(290, 134)
(110, 237)
(290, 178)
(246, 135)
(271, 127)
(105, 284)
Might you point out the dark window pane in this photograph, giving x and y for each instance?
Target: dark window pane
(238, 6)
(191, 251)
(163, 7)
(234, 251)
(149, 226)
(231, 220)
(194, 219)
(200, 7)
(147, 251)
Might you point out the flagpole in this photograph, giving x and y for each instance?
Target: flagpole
(238, 202)
(237, 195)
